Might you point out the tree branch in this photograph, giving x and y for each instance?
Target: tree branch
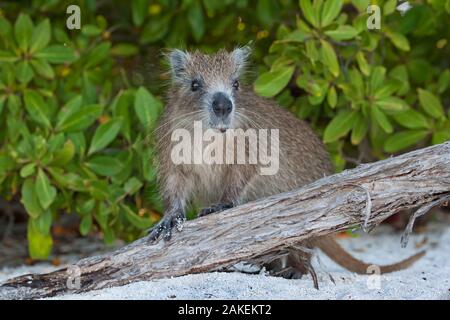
(366, 195)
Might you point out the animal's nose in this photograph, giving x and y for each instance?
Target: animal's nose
(221, 104)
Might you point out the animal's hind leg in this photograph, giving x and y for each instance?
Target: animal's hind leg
(294, 265)
(215, 208)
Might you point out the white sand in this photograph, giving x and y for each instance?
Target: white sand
(429, 278)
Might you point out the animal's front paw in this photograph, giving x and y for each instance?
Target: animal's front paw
(215, 208)
(165, 226)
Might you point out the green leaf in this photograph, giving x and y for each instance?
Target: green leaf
(329, 58)
(420, 70)
(341, 124)
(69, 180)
(196, 20)
(387, 89)
(381, 119)
(330, 11)
(441, 136)
(308, 12)
(391, 104)
(57, 54)
(29, 199)
(400, 73)
(295, 36)
(126, 158)
(132, 185)
(148, 170)
(134, 219)
(155, 30)
(45, 191)
(89, 89)
(405, 139)
(43, 223)
(63, 156)
(37, 108)
(99, 189)
(27, 170)
(80, 120)
(41, 36)
(43, 68)
(79, 141)
(97, 54)
(311, 50)
(444, 80)
(138, 11)
(85, 224)
(5, 28)
(146, 107)
(91, 30)
(124, 50)
(265, 11)
(344, 32)
(8, 56)
(24, 72)
(105, 165)
(39, 245)
(55, 142)
(377, 78)
(389, 7)
(431, 104)
(23, 29)
(271, 83)
(399, 40)
(121, 108)
(69, 108)
(104, 134)
(6, 163)
(85, 207)
(412, 119)
(360, 128)
(362, 63)
(332, 97)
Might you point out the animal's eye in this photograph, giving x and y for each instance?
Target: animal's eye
(195, 85)
(236, 84)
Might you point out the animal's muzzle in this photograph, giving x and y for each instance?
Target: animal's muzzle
(221, 104)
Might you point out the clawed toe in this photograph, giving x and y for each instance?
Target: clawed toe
(165, 226)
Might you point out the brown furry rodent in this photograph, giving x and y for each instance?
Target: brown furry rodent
(206, 88)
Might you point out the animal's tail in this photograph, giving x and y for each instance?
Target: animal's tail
(333, 250)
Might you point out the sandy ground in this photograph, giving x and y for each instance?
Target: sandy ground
(429, 278)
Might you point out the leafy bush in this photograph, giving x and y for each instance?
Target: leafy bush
(381, 90)
(78, 107)
(68, 143)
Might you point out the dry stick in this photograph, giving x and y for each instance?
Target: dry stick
(261, 228)
(420, 212)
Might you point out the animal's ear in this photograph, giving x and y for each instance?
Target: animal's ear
(177, 61)
(240, 56)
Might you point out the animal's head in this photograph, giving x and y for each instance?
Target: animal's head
(209, 84)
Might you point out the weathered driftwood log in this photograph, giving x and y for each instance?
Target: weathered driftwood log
(364, 196)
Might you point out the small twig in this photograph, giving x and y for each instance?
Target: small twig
(420, 212)
(368, 208)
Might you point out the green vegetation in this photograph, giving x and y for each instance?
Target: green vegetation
(78, 107)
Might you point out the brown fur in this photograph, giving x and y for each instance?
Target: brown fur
(303, 157)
